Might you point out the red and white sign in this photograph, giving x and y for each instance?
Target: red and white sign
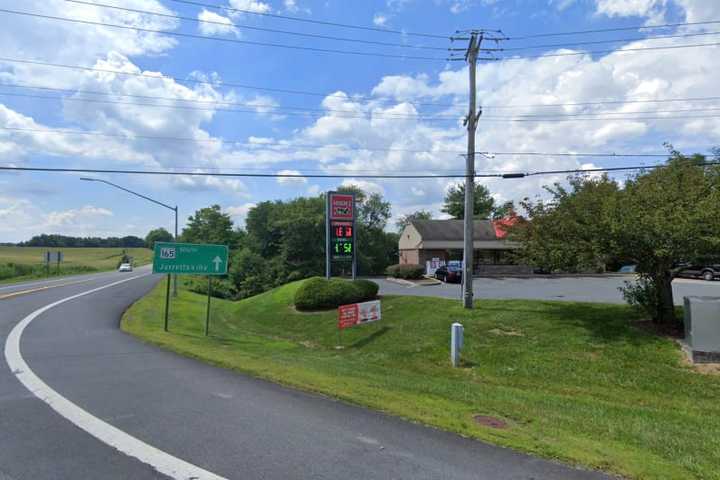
(341, 206)
(358, 313)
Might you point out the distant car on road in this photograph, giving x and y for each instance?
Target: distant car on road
(706, 272)
(449, 273)
(125, 267)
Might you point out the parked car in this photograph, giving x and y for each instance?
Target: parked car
(449, 273)
(692, 270)
(627, 269)
(125, 267)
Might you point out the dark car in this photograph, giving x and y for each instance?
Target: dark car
(706, 272)
(449, 273)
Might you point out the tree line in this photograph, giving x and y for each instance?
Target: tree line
(60, 241)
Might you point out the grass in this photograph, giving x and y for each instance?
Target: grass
(575, 382)
(27, 262)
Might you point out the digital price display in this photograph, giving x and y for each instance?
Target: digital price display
(341, 240)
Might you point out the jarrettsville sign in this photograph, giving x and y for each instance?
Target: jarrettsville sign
(190, 259)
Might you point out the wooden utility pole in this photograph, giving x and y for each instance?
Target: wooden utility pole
(471, 57)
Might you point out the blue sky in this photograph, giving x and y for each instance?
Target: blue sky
(367, 115)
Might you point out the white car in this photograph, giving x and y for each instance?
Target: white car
(125, 267)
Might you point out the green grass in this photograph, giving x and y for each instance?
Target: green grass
(76, 261)
(574, 381)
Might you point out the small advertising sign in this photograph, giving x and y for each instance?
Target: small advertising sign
(341, 206)
(358, 313)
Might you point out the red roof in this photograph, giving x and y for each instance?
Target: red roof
(503, 225)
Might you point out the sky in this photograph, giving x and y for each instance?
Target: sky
(155, 95)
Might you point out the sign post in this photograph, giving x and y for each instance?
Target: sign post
(189, 259)
(340, 232)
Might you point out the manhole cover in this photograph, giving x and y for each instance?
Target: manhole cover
(491, 422)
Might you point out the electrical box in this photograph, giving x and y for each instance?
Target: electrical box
(702, 328)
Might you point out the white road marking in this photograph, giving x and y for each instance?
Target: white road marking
(161, 461)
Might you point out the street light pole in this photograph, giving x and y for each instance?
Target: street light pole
(174, 209)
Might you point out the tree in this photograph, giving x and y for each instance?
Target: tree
(210, 225)
(373, 210)
(157, 235)
(660, 218)
(405, 220)
(455, 202)
(505, 210)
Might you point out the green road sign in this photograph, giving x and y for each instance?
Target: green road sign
(190, 259)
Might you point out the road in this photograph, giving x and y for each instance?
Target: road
(81, 399)
(603, 289)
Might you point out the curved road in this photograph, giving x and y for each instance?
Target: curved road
(81, 392)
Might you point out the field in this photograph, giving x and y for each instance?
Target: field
(27, 262)
(571, 381)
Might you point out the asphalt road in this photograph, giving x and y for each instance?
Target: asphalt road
(603, 289)
(99, 392)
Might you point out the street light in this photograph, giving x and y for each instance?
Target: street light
(174, 209)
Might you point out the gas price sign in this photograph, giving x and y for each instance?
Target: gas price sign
(342, 240)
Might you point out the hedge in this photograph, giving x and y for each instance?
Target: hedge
(406, 271)
(319, 293)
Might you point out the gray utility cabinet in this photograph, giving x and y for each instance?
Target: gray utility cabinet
(702, 328)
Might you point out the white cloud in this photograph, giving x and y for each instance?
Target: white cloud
(364, 185)
(380, 19)
(654, 10)
(251, 6)
(290, 180)
(75, 216)
(207, 183)
(213, 24)
(314, 190)
(239, 212)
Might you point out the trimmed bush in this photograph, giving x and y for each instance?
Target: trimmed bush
(406, 271)
(318, 293)
(369, 289)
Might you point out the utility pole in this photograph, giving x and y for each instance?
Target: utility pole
(471, 57)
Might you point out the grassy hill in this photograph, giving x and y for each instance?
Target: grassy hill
(76, 260)
(572, 381)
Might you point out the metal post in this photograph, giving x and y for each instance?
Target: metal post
(354, 239)
(327, 235)
(456, 343)
(468, 246)
(167, 302)
(176, 239)
(207, 315)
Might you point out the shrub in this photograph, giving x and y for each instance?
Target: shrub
(221, 288)
(406, 271)
(319, 293)
(369, 289)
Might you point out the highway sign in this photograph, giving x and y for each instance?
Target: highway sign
(190, 259)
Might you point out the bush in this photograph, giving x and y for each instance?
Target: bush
(221, 288)
(368, 289)
(406, 271)
(318, 293)
(641, 294)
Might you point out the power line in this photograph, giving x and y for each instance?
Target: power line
(598, 42)
(325, 94)
(582, 117)
(222, 39)
(621, 50)
(309, 20)
(266, 144)
(505, 175)
(261, 29)
(615, 29)
(278, 110)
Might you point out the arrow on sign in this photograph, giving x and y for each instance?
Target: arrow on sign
(217, 261)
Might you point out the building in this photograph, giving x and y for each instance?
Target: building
(427, 242)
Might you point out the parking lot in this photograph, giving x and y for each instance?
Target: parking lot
(604, 289)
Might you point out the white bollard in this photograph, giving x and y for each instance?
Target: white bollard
(456, 343)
